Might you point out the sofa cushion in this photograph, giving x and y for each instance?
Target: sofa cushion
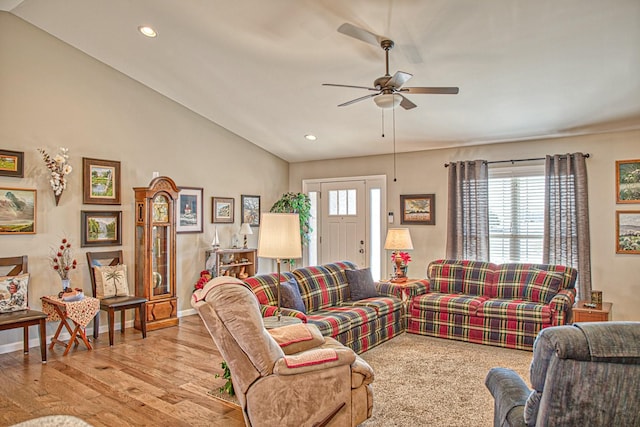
(290, 296)
(445, 277)
(361, 284)
(318, 286)
(519, 310)
(450, 303)
(478, 278)
(337, 270)
(382, 305)
(541, 285)
(333, 321)
(264, 287)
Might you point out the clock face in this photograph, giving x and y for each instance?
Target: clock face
(160, 209)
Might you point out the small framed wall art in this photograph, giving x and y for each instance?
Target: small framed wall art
(222, 210)
(17, 211)
(100, 182)
(101, 228)
(418, 209)
(628, 181)
(189, 210)
(628, 232)
(12, 163)
(251, 210)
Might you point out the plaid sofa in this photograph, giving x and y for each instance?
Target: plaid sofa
(359, 325)
(504, 305)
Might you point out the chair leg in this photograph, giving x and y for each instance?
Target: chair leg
(112, 316)
(96, 325)
(25, 339)
(123, 317)
(142, 311)
(43, 339)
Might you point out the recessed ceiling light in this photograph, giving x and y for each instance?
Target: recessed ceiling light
(147, 31)
(310, 137)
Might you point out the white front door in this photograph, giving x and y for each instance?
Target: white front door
(344, 220)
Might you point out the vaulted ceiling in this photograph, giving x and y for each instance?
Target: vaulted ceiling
(525, 69)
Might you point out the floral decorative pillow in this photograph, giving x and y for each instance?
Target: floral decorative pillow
(111, 281)
(13, 293)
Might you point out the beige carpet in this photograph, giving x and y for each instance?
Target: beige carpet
(425, 381)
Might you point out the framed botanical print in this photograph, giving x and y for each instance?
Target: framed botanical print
(101, 228)
(628, 181)
(189, 210)
(628, 232)
(12, 163)
(100, 182)
(17, 211)
(222, 210)
(251, 210)
(418, 209)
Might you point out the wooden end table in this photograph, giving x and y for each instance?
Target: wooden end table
(73, 316)
(272, 321)
(601, 313)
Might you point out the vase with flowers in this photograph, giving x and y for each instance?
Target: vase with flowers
(59, 168)
(401, 264)
(62, 262)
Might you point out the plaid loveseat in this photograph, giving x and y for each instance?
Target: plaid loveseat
(504, 305)
(360, 324)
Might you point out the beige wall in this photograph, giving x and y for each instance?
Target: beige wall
(618, 276)
(53, 95)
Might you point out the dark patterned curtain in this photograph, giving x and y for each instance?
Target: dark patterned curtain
(566, 221)
(468, 214)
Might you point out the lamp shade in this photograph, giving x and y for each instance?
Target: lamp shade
(245, 228)
(398, 238)
(279, 236)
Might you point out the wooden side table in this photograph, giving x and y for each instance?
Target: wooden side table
(272, 321)
(589, 314)
(406, 300)
(77, 314)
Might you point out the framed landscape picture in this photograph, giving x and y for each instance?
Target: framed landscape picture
(222, 210)
(101, 228)
(12, 163)
(628, 181)
(628, 232)
(189, 210)
(251, 210)
(17, 211)
(418, 209)
(100, 182)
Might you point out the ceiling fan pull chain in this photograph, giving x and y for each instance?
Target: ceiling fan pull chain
(382, 109)
(394, 145)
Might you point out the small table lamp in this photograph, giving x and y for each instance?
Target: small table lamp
(398, 239)
(245, 229)
(279, 239)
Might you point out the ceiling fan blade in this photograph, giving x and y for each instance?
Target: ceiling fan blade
(360, 34)
(398, 79)
(362, 98)
(433, 90)
(355, 87)
(406, 104)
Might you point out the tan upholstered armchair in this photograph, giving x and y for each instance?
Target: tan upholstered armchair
(324, 384)
(586, 374)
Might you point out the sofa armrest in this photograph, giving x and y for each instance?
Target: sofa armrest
(390, 289)
(270, 310)
(510, 394)
(561, 305)
(314, 360)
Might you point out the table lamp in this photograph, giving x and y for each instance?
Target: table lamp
(398, 239)
(245, 229)
(279, 239)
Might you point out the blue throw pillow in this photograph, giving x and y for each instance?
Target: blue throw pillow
(361, 284)
(290, 296)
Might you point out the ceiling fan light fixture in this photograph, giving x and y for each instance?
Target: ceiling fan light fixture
(388, 100)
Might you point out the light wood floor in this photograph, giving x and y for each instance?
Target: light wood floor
(162, 380)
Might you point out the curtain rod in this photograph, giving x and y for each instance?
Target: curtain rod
(446, 165)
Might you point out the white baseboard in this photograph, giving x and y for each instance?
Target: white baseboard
(34, 339)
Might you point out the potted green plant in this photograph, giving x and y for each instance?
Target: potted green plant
(296, 203)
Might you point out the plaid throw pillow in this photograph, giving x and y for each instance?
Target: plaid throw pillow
(541, 285)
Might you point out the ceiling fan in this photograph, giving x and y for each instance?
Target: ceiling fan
(388, 89)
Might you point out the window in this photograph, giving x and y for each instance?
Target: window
(516, 213)
(342, 202)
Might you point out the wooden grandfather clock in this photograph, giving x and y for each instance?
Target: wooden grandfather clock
(155, 252)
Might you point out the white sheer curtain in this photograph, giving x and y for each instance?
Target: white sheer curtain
(468, 213)
(566, 221)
